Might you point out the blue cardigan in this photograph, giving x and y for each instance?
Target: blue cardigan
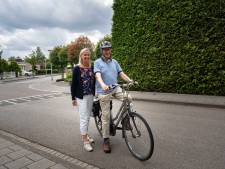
(77, 86)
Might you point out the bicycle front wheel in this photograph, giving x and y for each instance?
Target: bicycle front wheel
(138, 136)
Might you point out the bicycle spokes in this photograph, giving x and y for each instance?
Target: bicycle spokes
(138, 136)
(135, 127)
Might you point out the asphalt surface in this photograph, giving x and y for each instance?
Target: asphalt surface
(20, 89)
(186, 137)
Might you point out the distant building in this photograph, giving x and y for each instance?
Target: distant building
(18, 59)
(25, 66)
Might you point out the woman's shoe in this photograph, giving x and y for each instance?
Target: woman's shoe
(91, 140)
(88, 147)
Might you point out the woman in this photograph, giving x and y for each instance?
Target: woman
(83, 91)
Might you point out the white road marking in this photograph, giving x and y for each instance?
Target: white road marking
(23, 99)
(29, 98)
(9, 102)
(31, 87)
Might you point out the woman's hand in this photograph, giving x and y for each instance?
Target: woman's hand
(74, 102)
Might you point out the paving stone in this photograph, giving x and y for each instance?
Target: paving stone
(42, 164)
(19, 163)
(58, 166)
(5, 144)
(15, 147)
(4, 160)
(18, 154)
(83, 165)
(5, 151)
(2, 140)
(34, 157)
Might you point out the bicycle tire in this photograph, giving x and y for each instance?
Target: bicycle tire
(127, 127)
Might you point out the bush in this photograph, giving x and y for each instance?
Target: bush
(40, 72)
(172, 46)
(68, 76)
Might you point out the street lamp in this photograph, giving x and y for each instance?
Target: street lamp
(45, 67)
(1, 71)
(51, 65)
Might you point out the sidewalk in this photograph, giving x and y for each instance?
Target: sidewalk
(24, 78)
(18, 153)
(13, 156)
(17, 79)
(183, 99)
(170, 98)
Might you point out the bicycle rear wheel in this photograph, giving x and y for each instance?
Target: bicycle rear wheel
(138, 136)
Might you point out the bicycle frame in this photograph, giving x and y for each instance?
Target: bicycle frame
(123, 110)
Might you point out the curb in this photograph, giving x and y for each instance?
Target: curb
(14, 80)
(48, 151)
(21, 79)
(182, 103)
(173, 102)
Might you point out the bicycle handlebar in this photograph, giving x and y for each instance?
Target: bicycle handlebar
(129, 84)
(124, 85)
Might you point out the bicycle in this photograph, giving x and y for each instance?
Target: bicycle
(132, 124)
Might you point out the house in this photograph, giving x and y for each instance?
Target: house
(24, 65)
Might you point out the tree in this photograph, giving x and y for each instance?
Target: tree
(97, 52)
(63, 59)
(12, 58)
(36, 57)
(40, 57)
(58, 57)
(75, 47)
(14, 67)
(4, 65)
(32, 59)
(1, 70)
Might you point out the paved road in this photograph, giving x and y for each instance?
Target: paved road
(185, 136)
(20, 89)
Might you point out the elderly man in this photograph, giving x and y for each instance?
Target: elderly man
(107, 71)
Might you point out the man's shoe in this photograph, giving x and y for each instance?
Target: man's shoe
(106, 146)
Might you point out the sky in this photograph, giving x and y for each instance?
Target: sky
(26, 24)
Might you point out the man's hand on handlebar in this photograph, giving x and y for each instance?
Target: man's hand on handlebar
(105, 88)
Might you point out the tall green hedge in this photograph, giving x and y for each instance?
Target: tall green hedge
(172, 45)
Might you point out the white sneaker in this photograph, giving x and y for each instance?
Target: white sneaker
(88, 147)
(91, 140)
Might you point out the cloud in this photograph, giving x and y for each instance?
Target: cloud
(22, 42)
(26, 24)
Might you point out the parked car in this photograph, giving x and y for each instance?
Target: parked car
(27, 73)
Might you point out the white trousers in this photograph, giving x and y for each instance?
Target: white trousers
(85, 110)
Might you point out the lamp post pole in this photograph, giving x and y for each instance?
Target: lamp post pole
(45, 67)
(1, 70)
(51, 65)
(51, 73)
